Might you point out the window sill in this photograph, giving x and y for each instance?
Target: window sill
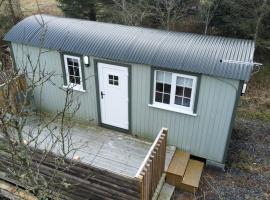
(73, 88)
(173, 110)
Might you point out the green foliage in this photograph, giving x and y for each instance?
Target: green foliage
(83, 9)
(78, 8)
(237, 18)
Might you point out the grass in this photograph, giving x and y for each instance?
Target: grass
(255, 104)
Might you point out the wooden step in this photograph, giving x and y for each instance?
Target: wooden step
(192, 176)
(177, 167)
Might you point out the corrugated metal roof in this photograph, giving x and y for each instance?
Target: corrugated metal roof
(174, 50)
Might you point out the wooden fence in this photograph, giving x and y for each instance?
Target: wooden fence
(90, 182)
(153, 166)
(86, 181)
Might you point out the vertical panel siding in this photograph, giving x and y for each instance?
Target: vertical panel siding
(50, 97)
(203, 135)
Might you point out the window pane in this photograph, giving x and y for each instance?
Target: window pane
(159, 76)
(178, 100)
(187, 92)
(116, 78)
(78, 81)
(158, 97)
(72, 79)
(71, 70)
(180, 81)
(110, 81)
(76, 71)
(168, 78)
(179, 91)
(75, 61)
(188, 82)
(167, 88)
(69, 61)
(115, 82)
(159, 87)
(186, 102)
(110, 76)
(166, 98)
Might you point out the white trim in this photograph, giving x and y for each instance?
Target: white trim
(173, 107)
(78, 87)
(168, 108)
(75, 89)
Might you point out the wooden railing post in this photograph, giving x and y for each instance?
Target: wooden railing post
(152, 167)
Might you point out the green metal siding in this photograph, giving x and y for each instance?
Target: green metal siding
(203, 135)
(52, 97)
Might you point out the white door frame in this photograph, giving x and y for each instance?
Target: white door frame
(99, 100)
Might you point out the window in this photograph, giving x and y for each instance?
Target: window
(113, 80)
(73, 72)
(174, 91)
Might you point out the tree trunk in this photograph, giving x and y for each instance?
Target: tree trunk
(93, 13)
(259, 20)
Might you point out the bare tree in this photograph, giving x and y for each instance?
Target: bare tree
(11, 8)
(131, 12)
(207, 12)
(27, 138)
(260, 13)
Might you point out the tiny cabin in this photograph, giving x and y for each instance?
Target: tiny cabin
(138, 80)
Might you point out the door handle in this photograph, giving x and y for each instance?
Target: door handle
(102, 94)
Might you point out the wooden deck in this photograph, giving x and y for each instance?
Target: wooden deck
(106, 149)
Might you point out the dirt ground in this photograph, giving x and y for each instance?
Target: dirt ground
(247, 174)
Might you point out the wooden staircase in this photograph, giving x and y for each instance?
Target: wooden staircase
(184, 172)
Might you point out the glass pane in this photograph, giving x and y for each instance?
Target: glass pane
(166, 98)
(186, 102)
(116, 78)
(71, 70)
(69, 61)
(110, 76)
(189, 82)
(159, 87)
(180, 81)
(72, 79)
(110, 81)
(76, 71)
(78, 81)
(159, 76)
(179, 91)
(115, 82)
(167, 88)
(158, 97)
(75, 61)
(168, 77)
(187, 92)
(178, 100)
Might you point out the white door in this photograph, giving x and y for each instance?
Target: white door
(113, 94)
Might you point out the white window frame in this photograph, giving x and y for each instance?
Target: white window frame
(70, 85)
(172, 106)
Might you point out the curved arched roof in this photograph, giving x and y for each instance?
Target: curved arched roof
(181, 51)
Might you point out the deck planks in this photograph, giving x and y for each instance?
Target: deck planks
(103, 148)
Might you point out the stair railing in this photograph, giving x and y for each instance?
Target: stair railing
(152, 167)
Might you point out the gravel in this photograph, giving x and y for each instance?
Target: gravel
(247, 174)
